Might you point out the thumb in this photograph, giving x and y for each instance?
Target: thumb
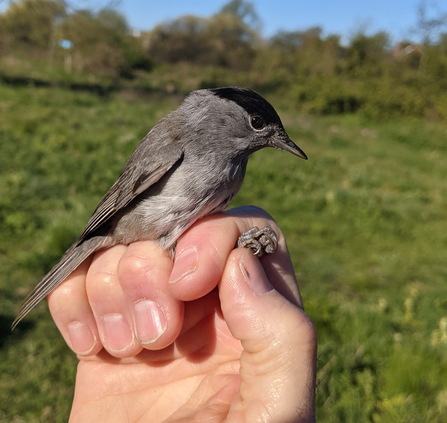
(279, 341)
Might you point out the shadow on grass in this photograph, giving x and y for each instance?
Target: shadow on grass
(22, 81)
(5, 329)
(98, 89)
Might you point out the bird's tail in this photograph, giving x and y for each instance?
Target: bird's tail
(72, 258)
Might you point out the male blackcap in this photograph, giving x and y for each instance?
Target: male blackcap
(191, 164)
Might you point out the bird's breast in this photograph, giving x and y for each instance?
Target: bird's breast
(165, 210)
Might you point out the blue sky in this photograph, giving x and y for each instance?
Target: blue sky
(340, 17)
(343, 17)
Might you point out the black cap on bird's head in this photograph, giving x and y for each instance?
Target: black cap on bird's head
(262, 116)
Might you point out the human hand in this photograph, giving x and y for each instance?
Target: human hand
(156, 351)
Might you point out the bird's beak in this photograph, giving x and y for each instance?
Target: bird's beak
(288, 145)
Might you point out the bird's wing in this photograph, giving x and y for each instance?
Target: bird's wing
(157, 152)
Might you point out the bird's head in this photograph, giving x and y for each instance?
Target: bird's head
(238, 118)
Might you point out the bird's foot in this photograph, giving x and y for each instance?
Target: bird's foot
(260, 241)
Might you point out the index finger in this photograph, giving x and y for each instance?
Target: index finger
(203, 250)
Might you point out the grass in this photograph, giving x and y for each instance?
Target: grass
(365, 221)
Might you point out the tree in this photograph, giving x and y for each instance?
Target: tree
(181, 40)
(113, 20)
(101, 42)
(368, 53)
(427, 26)
(232, 42)
(30, 22)
(243, 10)
(223, 40)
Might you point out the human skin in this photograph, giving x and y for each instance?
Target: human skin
(218, 336)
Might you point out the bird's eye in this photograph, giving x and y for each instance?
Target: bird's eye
(257, 122)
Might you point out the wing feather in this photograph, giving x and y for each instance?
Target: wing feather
(156, 153)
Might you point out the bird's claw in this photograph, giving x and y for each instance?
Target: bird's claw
(260, 241)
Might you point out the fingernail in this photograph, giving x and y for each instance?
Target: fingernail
(116, 331)
(150, 321)
(81, 338)
(254, 274)
(184, 264)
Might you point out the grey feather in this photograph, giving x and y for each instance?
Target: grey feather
(192, 163)
(142, 170)
(72, 258)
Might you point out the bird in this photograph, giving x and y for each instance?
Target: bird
(190, 164)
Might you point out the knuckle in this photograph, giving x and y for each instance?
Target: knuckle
(305, 327)
(102, 278)
(133, 267)
(254, 216)
(60, 297)
(62, 293)
(250, 211)
(257, 211)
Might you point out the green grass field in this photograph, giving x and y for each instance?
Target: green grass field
(365, 219)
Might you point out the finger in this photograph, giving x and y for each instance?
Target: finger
(108, 303)
(143, 273)
(279, 340)
(72, 314)
(202, 252)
